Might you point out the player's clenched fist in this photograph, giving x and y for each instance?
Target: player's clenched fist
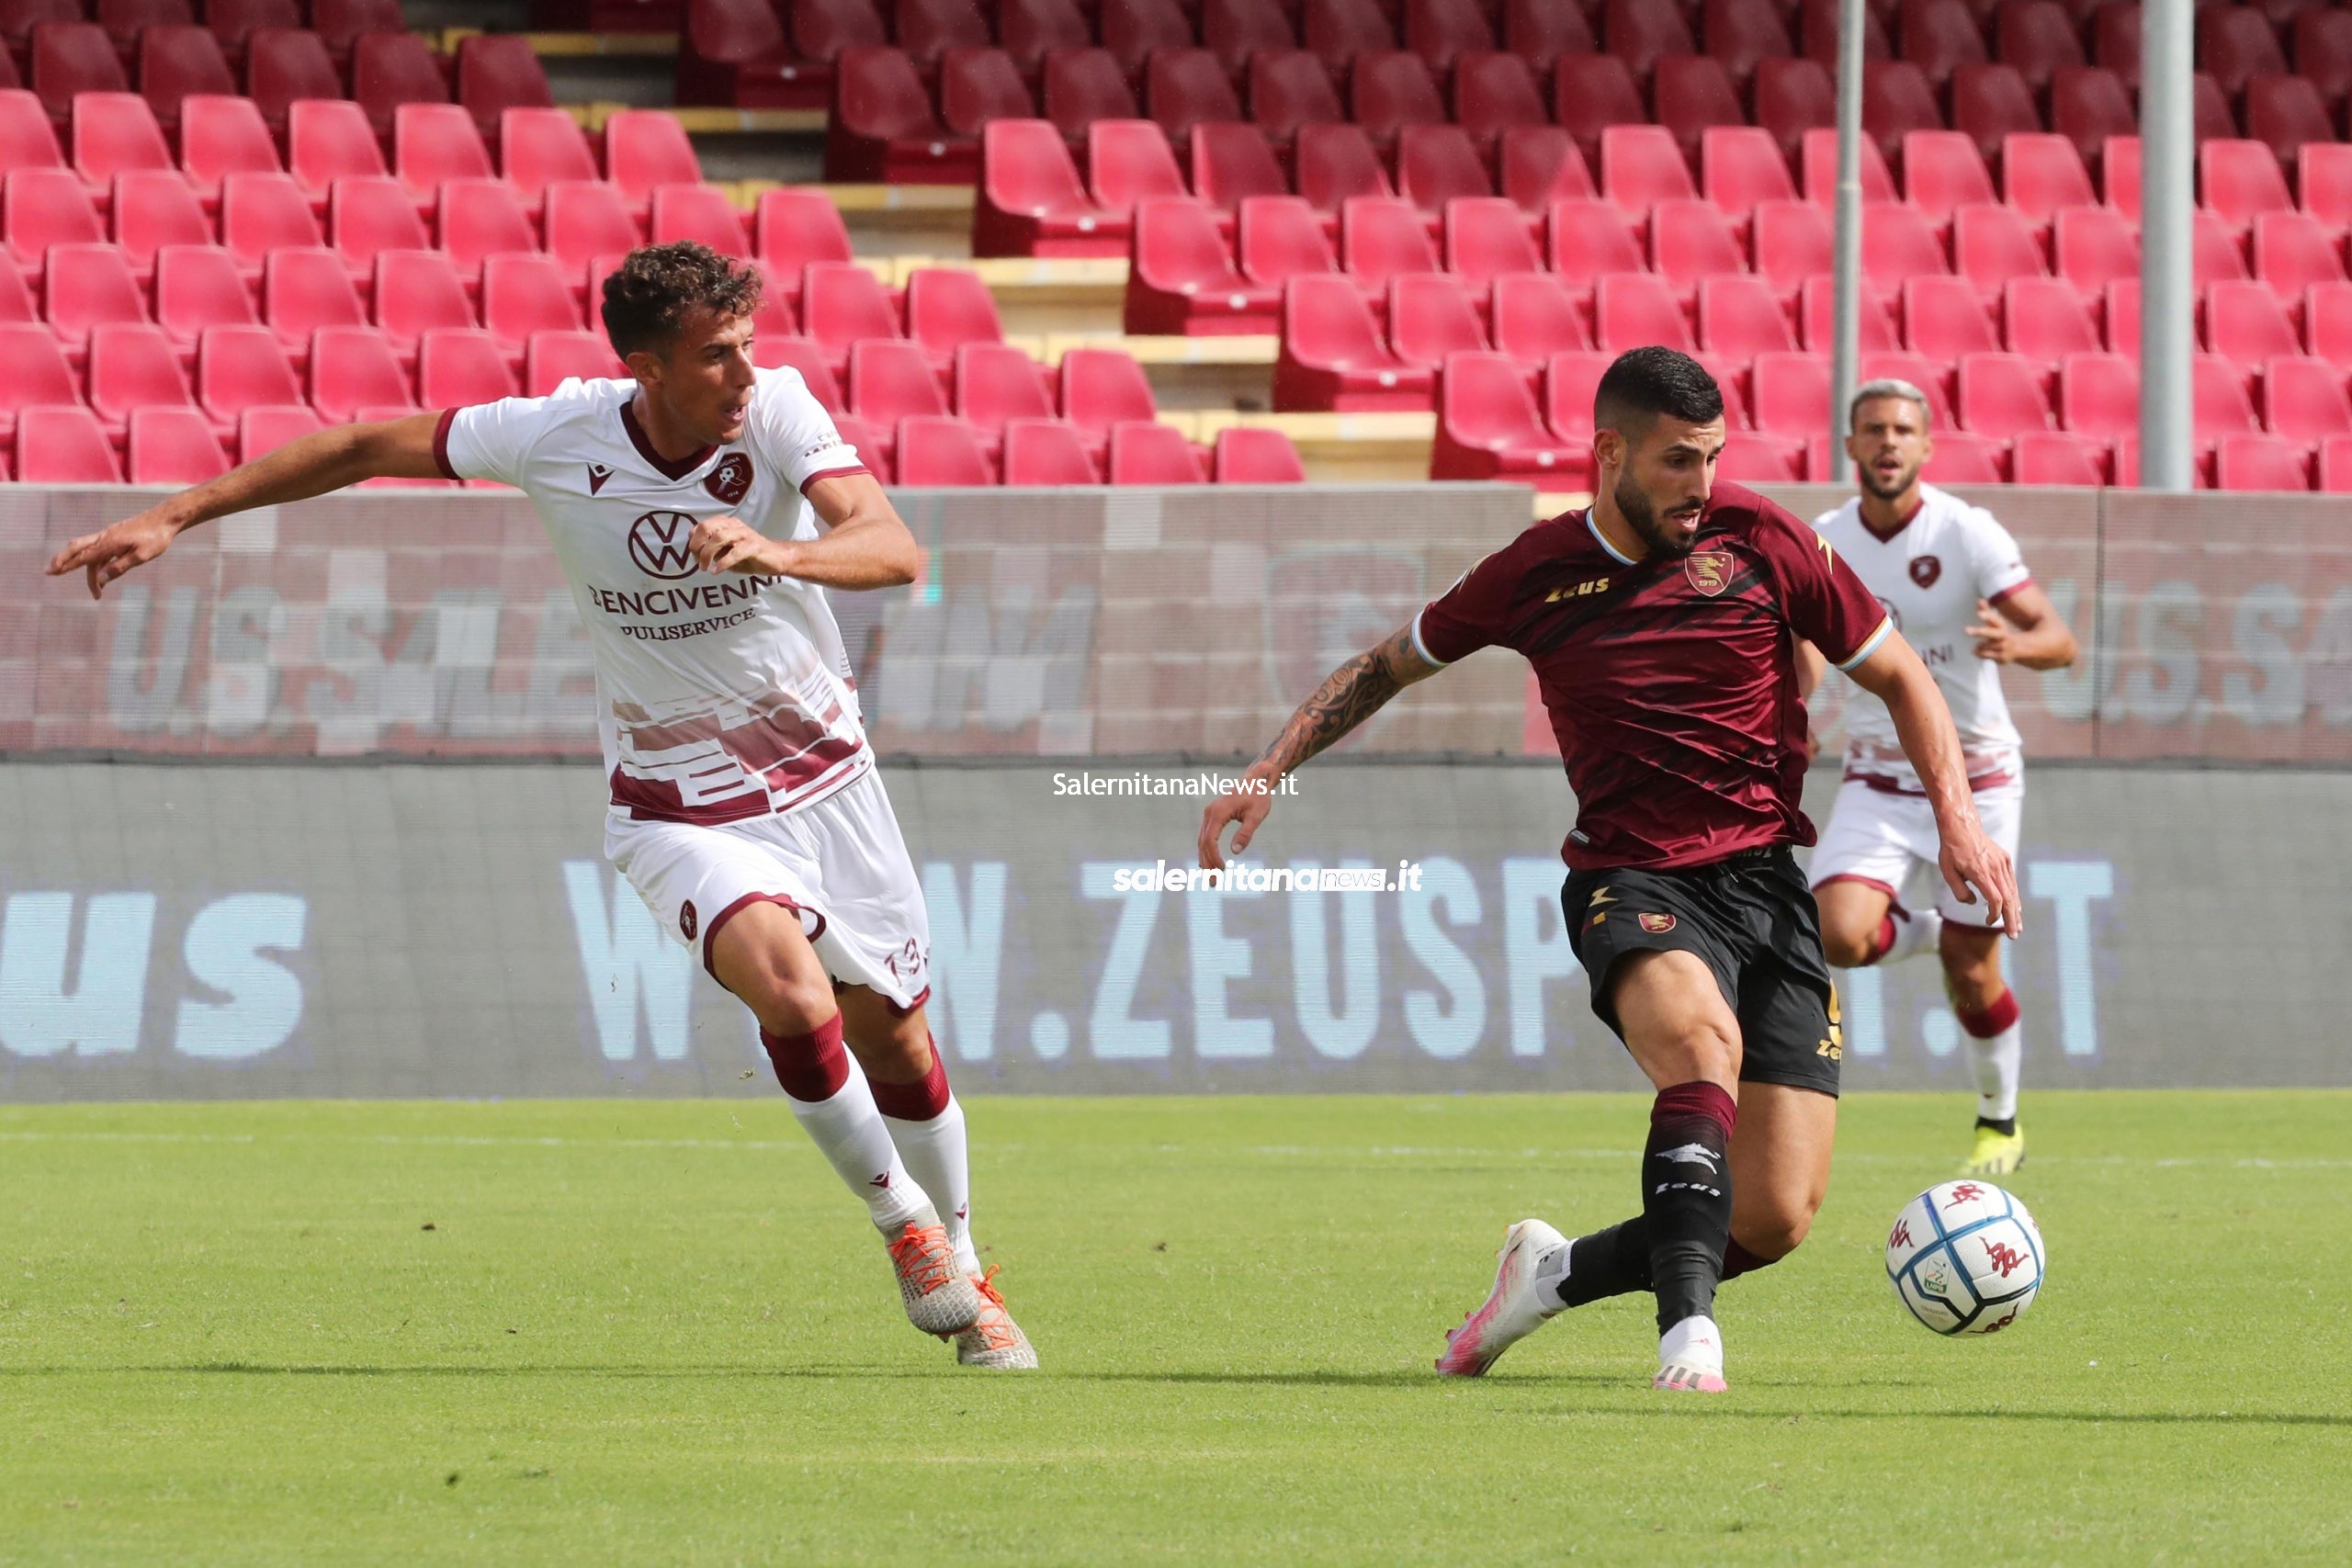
(107, 554)
(728, 544)
(1247, 809)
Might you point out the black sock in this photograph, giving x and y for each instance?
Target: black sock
(1686, 1198)
(1613, 1262)
(2007, 1126)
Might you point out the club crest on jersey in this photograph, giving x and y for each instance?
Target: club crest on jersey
(1925, 569)
(657, 543)
(687, 920)
(597, 475)
(731, 480)
(1656, 925)
(1708, 571)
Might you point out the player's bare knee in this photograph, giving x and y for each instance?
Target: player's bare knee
(1779, 1230)
(1845, 949)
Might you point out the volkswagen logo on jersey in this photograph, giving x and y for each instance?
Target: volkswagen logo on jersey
(731, 480)
(1925, 569)
(1710, 570)
(657, 543)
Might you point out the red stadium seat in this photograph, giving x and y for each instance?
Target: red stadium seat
(1991, 103)
(1944, 318)
(2215, 119)
(1743, 34)
(1495, 93)
(1898, 242)
(941, 451)
(2099, 395)
(2115, 42)
(1962, 457)
(1234, 31)
(1130, 160)
(1631, 310)
(2246, 323)
(883, 129)
(1794, 98)
(1030, 199)
(2218, 256)
(2247, 460)
(1183, 278)
(199, 287)
(1593, 92)
(1332, 356)
(89, 287)
(802, 357)
(1690, 240)
(1256, 455)
(1589, 240)
(132, 366)
(125, 20)
(174, 446)
(1942, 170)
(1486, 237)
(1897, 99)
(1336, 163)
(891, 379)
(2328, 321)
(68, 60)
(1740, 317)
(175, 61)
(1390, 91)
(1933, 376)
(415, 292)
(234, 21)
(1819, 155)
(863, 439)
(1134, 30)
(1047, 451)
(2235, 44)
(391, 69)
(2335, 465)
(221, 136)
(2096, 246)
(1489, 428)
(1755, 457)
(948, 307)
(553, 358)
(841, 304)
(38, 373)
(977, 86)
(2238, 180)
(1570, 379)
(18, 19)
(2037, 38)
(1938, 37)
(1816, 315)
(1540, 165)
(2088, 108)
(2121, 299)
(28, 141)
(524, 294)
(482, 218)
(155, 207)
(2292, 250)
(1441, 30)
(285, 66)
(1147, 453)
(2057, 457)
(64, 446)
(1536, 317)
(1641, 166)
(368, 215)
(2324, 176)
(304, 289)
(1540, 31)
(1288, 91)
(262, 213)
(42, 206)
(457, 366)
(1741, 166)
(1992, 244)
(2046, 320)
(823, 29)
(1232, 162)
(343, 23)
(1641, 34)
(1102, 386)
(699, 212)
(996, 383)
(1029, 29)
(587, 218)
(433, 143)
(1336, 32)
(1381, 237)
(2303, 399)
(1279, 239)
(735, 52)
(2322, 50)
(114, 131)
(495, 72)
(1430, 317)
(1084, 86)
(796, 226)
(354, 369)
(329, 139)
(1439, 165)
(1186, 87)
(539, 148)
(1694, 94)
(2222, 404)
(2284, 113)
(2042, 174)
(2001, 394)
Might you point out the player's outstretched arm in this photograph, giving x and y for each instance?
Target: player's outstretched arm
(865, 544)
(1971, 863)
(1351, 693)
(312, 465)
(2024, 628)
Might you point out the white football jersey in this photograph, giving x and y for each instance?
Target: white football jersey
(1930, 577)
(725, 697)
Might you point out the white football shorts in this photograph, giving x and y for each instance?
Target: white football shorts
(1885, 839)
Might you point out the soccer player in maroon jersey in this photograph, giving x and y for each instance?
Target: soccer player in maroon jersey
(1661, 622)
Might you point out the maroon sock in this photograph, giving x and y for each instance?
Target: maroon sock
(919, 1101)
(1883, 942)
(1987, 1022)
(810, 1066)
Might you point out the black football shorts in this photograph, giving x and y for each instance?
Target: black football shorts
(1751, 919)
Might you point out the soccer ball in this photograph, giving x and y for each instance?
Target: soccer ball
(1965, 1257)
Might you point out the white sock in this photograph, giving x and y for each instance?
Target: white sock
(1914, 933)
(933, 1151)
(1998, 1060)
(852, 1137)
(1694, 1342)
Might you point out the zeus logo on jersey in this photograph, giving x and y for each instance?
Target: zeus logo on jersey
(657, 544)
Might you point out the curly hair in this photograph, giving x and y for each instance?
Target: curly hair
(649, 294)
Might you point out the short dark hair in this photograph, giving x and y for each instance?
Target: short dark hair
(1646, 382)
(649, 294)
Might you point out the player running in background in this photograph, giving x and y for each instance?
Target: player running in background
(700, 511)
(1949, 575)
(1661, 623)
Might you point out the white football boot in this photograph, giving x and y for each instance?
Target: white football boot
(1513, 1310)
(1691, 1358)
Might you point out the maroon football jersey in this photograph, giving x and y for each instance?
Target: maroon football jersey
(1671, 683)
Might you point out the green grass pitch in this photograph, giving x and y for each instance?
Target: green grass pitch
(656, 1332)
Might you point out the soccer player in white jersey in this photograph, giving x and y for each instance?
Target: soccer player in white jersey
(1956, 588)
(701, 509)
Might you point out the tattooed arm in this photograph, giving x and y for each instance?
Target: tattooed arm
(1348, 696)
